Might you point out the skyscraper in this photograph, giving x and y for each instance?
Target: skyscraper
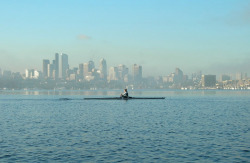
(87, 68)
(63, 66)
(56, 65)
(178, 76)
(80, 70)
(113, 73)
(51, 71)
(45, 68)
(103, 69)
(137, 72)
(122, 72)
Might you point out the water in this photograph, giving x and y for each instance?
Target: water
(188, 126)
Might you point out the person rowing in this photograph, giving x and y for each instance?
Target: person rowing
(124, 94)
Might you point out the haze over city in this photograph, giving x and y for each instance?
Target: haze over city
(211, 36)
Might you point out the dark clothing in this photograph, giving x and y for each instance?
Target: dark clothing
(125, 94)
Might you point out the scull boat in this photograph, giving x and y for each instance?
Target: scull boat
(120, 98)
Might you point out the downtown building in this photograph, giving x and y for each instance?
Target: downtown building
(137, 73)
(57, 69)
(208, 81)
(63, 66)
(103, 69)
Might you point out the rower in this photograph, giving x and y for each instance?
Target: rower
(124, 94)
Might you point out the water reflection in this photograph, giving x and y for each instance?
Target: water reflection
(116, 93)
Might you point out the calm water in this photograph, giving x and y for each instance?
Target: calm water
(188, 126)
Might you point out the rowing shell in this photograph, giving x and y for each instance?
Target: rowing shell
(130, 98)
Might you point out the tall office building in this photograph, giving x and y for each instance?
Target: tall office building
(208, 80)
(51, 71)
(87, 68)
(113, 73)
(45, 68)
(122, 72)
(178, 76)
(56, 65)
(80, 70)
(63, 66)
(137, 72)
(91, 65)
(103, 69)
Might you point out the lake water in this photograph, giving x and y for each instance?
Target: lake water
(188, 126)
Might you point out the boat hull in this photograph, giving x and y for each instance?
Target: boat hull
(130, 98)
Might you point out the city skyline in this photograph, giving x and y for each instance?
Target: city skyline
(50, 69)
(193, 35)
(58, 74)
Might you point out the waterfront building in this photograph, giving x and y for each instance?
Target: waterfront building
(63, 66)
(208, 80)
(103, 69)
(45, 68)
(137, 72)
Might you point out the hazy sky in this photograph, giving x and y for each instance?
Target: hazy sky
(212, 36)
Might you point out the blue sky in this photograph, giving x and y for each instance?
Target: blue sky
(212, 36)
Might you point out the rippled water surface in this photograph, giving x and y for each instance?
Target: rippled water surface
(199, 126)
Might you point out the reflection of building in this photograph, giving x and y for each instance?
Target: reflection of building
(137, 72)
(63, 66)
(45, 68)
(103, 69)
(208, 80)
